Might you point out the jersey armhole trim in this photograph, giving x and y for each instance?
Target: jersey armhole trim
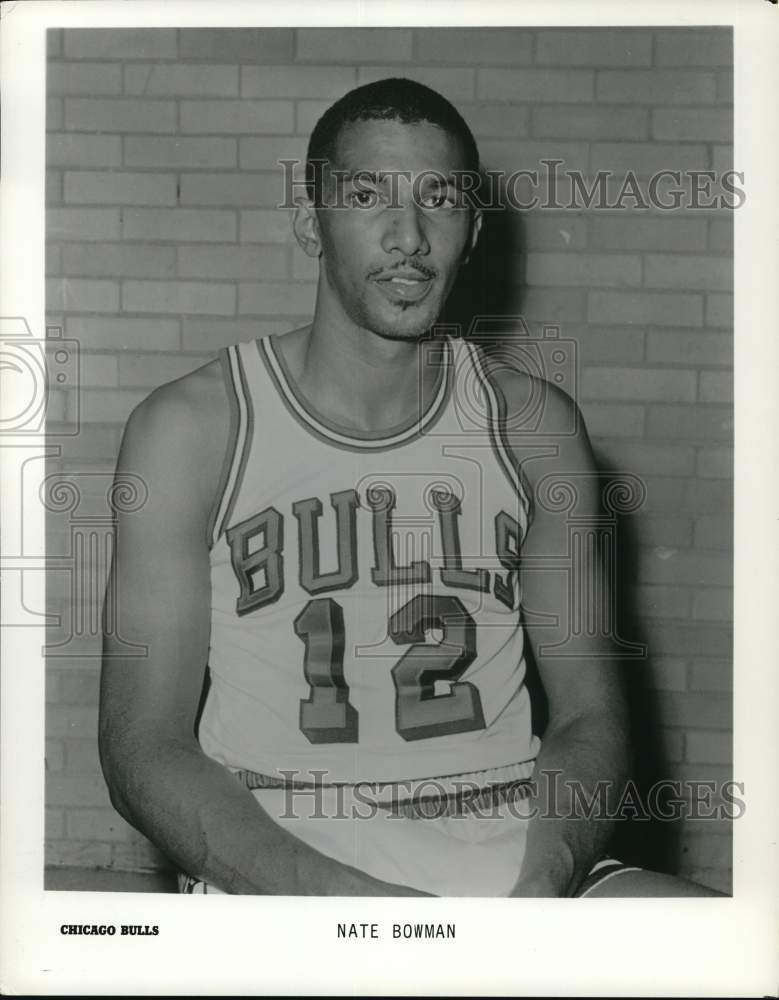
(496, 406)
(239, 438)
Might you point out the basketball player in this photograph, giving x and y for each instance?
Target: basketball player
(324, 537)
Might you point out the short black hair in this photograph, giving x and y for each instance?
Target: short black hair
(393, 99)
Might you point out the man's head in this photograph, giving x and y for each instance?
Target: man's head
(385, 213)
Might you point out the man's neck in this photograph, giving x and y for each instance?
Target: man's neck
(359, 379)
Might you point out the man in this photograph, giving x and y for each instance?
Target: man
(321, 535)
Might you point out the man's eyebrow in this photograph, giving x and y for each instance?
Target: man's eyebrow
(370, 176)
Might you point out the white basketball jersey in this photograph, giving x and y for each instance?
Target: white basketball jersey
(365, 597)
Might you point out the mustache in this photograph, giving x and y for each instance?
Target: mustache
(404, 265)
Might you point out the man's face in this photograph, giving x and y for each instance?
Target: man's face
(397, 234)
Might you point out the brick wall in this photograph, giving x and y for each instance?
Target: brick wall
(163, 244)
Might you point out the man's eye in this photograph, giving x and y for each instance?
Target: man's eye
(362, 199)
(438, 199)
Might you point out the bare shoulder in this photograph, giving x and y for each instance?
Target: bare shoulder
(533, 404)
(178, 435)
(542, 425)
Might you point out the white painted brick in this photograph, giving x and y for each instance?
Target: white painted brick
(252, 45)
(139, 855)
(276, 298)
(150, 370)
(77, 854)
(608, 345)
(529, 155)
(307, 114)
(722, 162)
(178, 297)
(725, 86)
(553, 231)
(647, 158)
(594, 47)
(264, 153)
(642, 384)
(179, 151)
(642, 233)
(488, 119)
(53, 43)
(688, 271)
(53, 259)
(98, 370)
(712, 675)
(92, 79)
(699, 422)
(266, 190)
(82, 757)
(645, 457)
(682, 347)
(80, 295)
(713, 604)
(716, 387)
(264, 263)
(696, 46)
(590, 123)
(658, 309)
(712, 124)
(532, 85)
(587, 269)
(120, 43)
(344, 44)
(656, 87)
(677, 708)
(187, 225)
(229, 117)
(80, 687)
(208, 335)
(53, 187)
(266, 226)
(97, 825)
(54, 113)
(80, 790)
(510, 46)
(663, 602)
(454, 83)
(304, 268)
(120, 333)
(719, 310)
(82, 224)
(109, 405)
(721, 235)
(55, 755)
(119, 260)
(72, 721)
(171, 80)
(713, 747)
(77, 150)
(686, 566)
(88, 114)
(90, 187)
(54, 824)
(551, 305)
(614, 419)
(297, 81)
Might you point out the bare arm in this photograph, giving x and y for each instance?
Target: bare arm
(159, 778)
(586, 739)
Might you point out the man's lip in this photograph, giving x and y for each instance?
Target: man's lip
(412, 287)
(405, 275)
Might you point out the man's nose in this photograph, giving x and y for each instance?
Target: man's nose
(405, 231)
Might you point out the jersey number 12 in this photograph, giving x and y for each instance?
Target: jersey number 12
(327, 715)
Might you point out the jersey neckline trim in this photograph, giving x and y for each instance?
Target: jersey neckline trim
(338, 435)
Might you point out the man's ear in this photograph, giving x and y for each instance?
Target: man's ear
(474, 235)
(305, 225)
